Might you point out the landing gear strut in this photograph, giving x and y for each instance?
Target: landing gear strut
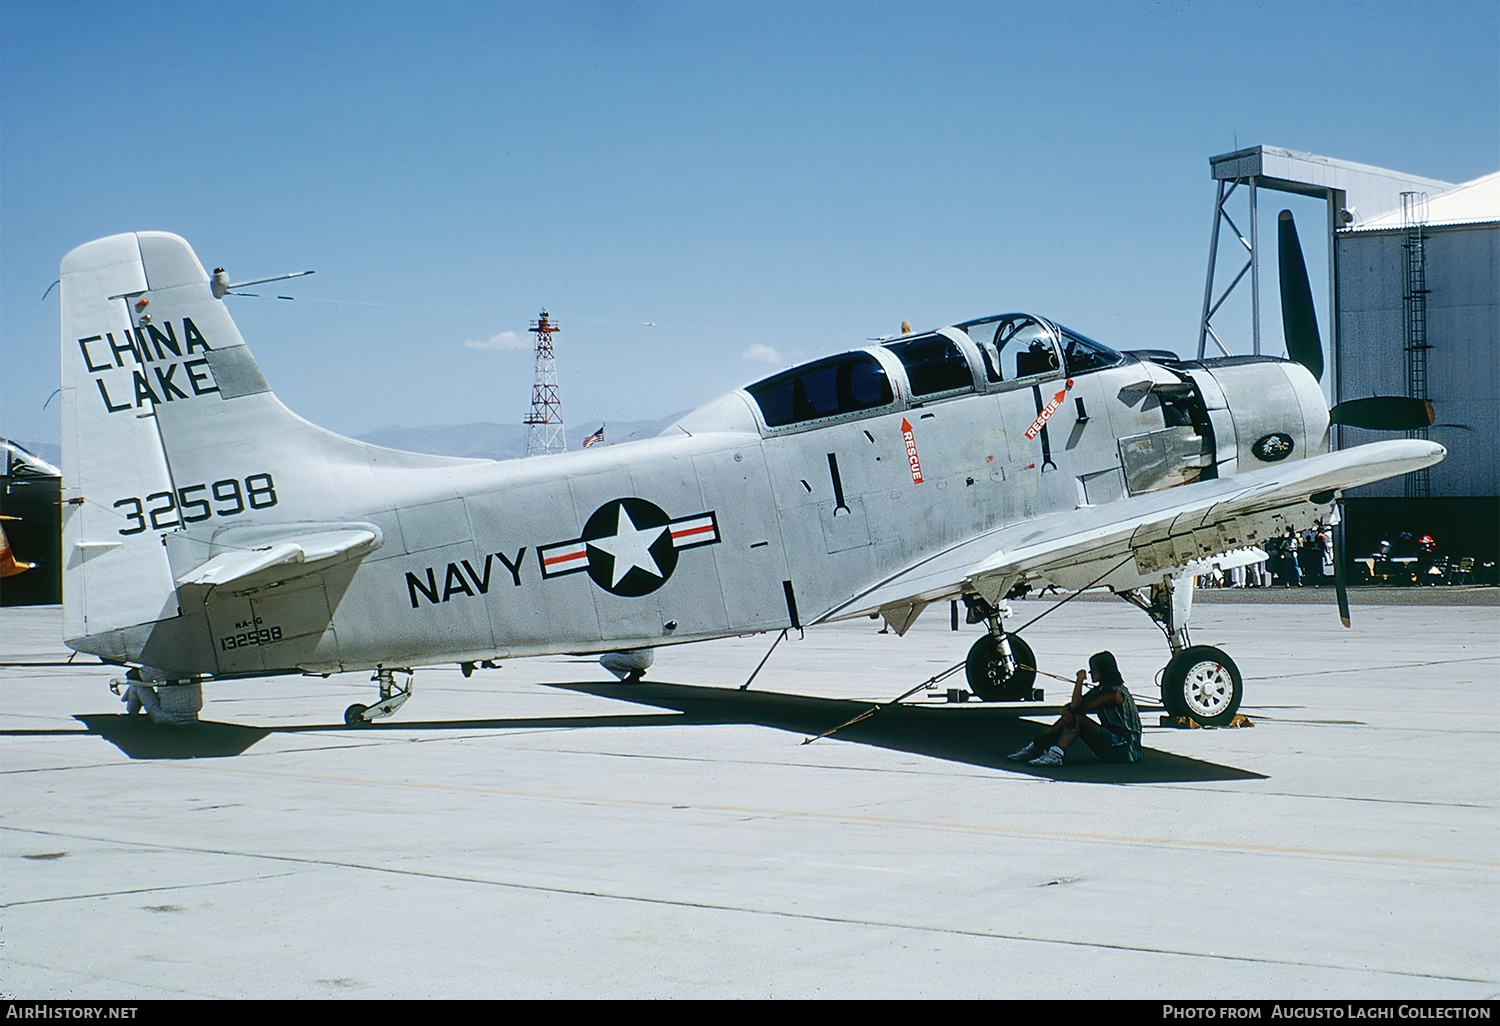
(392, 697)
(1200, 682)
(1000, 667)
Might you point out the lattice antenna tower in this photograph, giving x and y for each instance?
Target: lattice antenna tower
(545, 419)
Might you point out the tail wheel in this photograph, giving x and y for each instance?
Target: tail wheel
(1203, 683)
(354, 716)
(993, 677)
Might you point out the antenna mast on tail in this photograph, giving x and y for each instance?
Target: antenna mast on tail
(545, 419)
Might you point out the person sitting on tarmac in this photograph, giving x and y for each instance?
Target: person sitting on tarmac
(1117, 735)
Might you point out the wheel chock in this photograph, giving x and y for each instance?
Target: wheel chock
(1188, 723)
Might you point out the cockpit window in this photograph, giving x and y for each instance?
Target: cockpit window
(840, 384)
(1014, 346)
(1082, 355)
(933, 364)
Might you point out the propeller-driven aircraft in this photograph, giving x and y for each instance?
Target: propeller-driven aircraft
(23, 479)
(212, 534)
(9, 564)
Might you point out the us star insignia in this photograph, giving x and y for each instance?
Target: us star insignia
(629, 546)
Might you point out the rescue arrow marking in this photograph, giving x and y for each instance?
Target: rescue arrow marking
(1047, 412)
(911, 451)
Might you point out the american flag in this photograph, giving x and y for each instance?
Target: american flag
(595, 438)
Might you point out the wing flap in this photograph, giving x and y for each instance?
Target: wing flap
(1134, 540)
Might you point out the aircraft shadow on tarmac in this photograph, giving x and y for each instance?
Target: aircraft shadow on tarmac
(977, 736)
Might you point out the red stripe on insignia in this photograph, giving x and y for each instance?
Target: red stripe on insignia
(691, 531)
(571, 555)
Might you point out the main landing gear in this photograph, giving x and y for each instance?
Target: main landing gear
(1200, 682)
(1001, 667)
(392, 697)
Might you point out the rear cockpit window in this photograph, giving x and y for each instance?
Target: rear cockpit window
(1013, 346)
(933, 364)
(846, 383)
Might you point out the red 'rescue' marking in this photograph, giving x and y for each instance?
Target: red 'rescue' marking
(911, 451)
(1047, 412)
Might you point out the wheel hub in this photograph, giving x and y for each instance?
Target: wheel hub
(1207, 689)
(993, 676)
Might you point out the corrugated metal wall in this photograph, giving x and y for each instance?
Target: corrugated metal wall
(1463, 328)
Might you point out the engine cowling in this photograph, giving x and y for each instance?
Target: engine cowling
(1263, 411)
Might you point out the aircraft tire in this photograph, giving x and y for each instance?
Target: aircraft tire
(1203, 683)
(354, 716)
(986, 671)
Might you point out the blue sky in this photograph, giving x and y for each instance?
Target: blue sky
(699, 193)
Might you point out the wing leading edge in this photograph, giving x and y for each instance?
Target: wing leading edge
(1134, 541)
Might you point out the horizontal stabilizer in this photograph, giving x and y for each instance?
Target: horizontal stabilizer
(283, 559)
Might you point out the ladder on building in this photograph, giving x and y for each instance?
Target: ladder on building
(1414, 310)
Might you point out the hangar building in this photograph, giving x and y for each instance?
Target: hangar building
(1385, 318)
(1414, 281)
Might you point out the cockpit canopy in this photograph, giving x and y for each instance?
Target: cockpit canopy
(1028, 346)
(825, 388)
(22, 462)
(986, 355)
(934, 365)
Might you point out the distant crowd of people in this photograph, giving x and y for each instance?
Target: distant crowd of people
(1295, 559)
(1291, 560)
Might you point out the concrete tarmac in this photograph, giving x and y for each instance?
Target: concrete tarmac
(541, 831)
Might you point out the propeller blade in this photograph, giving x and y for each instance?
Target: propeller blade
(1340, 574)
(1299, 321)
(1383, 413)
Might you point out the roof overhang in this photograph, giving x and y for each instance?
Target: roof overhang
(1369, 190)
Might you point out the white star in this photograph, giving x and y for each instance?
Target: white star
(630, 547)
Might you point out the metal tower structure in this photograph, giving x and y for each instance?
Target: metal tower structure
(1252, 265)
(1414, 309)
(545, 419)
(1343, 186)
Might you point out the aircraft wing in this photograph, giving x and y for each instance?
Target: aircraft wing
(1138, 540)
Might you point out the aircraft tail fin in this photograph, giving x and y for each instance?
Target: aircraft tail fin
(169, 430)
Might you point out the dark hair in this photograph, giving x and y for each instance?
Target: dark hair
(1104, 667)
